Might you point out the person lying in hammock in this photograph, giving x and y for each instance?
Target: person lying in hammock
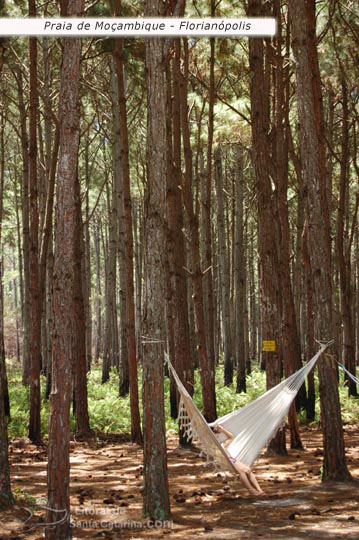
(245, 473)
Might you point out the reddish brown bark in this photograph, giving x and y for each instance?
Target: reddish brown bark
(224, 269)
(47, 230)
(240, 277)
(310, 112)
(310, 321)
(176, 250)
(98, 293)
(156, 502)
(5, 486)
(110, 249)
(80, 361)
(26, 361)
(3, 375)
(46, 261)
(267, 220)
(208, 277)
(289, 334)
(34, 284)
(344, 245)
(136, 434)
(64, 304)
(206, 369)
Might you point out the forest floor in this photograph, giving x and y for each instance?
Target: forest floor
(106, 498)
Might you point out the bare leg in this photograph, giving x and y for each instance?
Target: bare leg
(245, 481)
(248, 479)
(254, 482)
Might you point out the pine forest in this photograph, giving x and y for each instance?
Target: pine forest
(179, 235)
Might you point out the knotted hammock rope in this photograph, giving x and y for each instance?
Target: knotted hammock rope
(253, 426)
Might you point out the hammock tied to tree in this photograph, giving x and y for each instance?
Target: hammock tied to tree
(253, 426)
(353, 377)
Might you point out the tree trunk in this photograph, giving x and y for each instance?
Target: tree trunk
(309, 101)
(16, 306)
(137, 232)
(267, 220)
(113, 204)
(309, 316)
(240, 281)
(173, 128)
(64, 337)
(5, 486)
(20, 258)
(208, 258)
(247, 360)
(48, 315)
(80, 359)
(3, 376)
(253, 308)
(289, 334)
(86, 246)
(224, 268)
(356, 299)
(206, 369)
(120, 219)
(124, 366)
(136, 434)
(34, 284)
(298, 269)
(156, 502)
(98, 293)
(344, 248)
(176, 249)
(46, 150)
(25, 230)
(106, 361)
(46, 262)
(87, 268)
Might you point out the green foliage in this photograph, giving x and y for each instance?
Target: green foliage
(350, 405)
(19, 399)
(23, 497)
(108, 412)
(111, 414)
(227, 398)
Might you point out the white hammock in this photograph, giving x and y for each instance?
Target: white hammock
(353, 377)
(253, 426)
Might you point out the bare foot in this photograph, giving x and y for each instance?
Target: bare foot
(254, 492)
(257, 493)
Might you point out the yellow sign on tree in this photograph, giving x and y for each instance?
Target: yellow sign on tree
(268, 346)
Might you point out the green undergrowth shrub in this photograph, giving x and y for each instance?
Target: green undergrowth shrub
(110, 413)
